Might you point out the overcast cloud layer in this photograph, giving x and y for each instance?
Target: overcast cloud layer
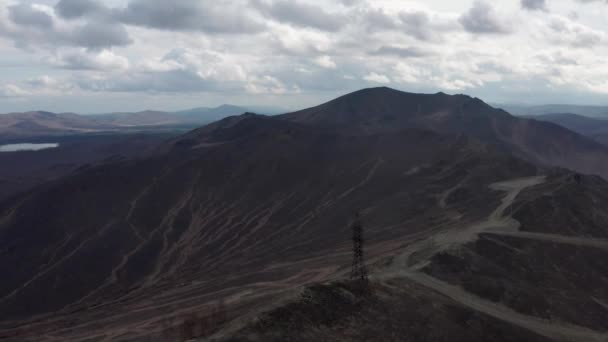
(100, 56)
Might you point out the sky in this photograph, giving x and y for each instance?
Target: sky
(94, 56)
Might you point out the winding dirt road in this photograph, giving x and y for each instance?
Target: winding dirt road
(417, 255)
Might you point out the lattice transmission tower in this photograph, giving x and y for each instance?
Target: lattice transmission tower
(359, 271)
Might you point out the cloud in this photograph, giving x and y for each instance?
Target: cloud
(72, 9)
(269, 85)
(91, 60)
(36, 26)
(11, 90)
(42, 81)
(350, 3)
(173, 81)
(226, 17)
(301, 47)
(325, 62)
(406, 73)
(557, 58)
(99, 34)
(483, 19)
(398, 51)
(46, 85)
(181, 70)
(29, 16)
(190, 15)
(534, 5)
(301, 14)
(417, 24)
(376, 78)
(286, 40)
(376, 19)
(421, 25)
(562, 30)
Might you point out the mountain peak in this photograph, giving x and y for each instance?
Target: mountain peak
(383, 106)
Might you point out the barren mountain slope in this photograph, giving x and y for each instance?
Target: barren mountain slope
(227, 217)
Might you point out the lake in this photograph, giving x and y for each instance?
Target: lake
(27, 147)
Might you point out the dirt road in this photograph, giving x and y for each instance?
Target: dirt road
(418, 254)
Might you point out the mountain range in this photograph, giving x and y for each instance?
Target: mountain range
(598, 112)
(595, 128)
(476, 229)
(41, 123)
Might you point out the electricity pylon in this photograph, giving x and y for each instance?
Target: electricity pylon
(359, 271)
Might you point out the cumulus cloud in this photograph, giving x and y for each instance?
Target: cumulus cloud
(36, 26)
(483, 19)
(172, 81)
(377, 78)
(72, 9)
(30, 16)
(99, 34)
(398, 51)
(301, 14)
(91, 60)
(181, 70)
(534, 5)
(11, 90)
(190, 15)
(417, 24)
(232, 16)
(349, 3)
(376, 19)
(47, 85)
(562, 30)
(296, 47)
(557, 58)
(325, 62)
(267, 84)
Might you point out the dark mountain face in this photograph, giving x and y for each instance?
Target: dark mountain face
(21, 171)
(380, 110)
(242, 213)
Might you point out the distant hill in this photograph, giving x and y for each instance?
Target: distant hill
(39, 123)
(523, 110)
(45, 123)
(195, 116)
(595, 128)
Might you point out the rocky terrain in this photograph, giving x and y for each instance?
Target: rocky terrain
(542, 285)
(471, 233)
